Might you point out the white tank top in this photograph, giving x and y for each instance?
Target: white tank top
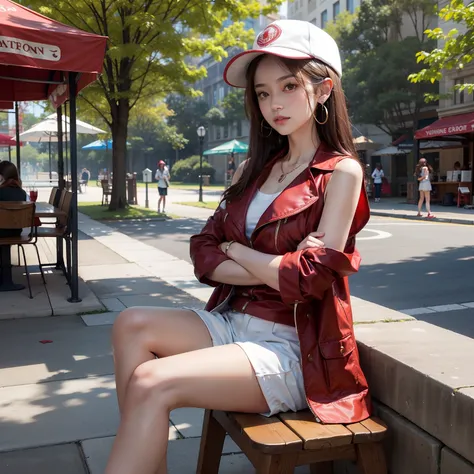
(258, 206)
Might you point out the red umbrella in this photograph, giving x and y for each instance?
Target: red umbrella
(42, 51)
(6, 140)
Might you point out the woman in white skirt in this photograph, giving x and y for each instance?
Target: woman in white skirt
(422, 173)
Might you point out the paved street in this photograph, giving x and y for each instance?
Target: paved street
(407, 266)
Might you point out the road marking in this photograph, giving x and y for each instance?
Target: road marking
(443, 308)
(380, 234)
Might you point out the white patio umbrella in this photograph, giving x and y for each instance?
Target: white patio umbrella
(47, 131)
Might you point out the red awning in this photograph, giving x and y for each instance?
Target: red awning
(6, 105)
(452, 125)
(37, 49)
(6, 140)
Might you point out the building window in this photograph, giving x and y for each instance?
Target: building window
(218, 133)
(336, 8)
(350, 6)
(311, 5)
(459, 95)
(239, 128)
(324, 19)
(226, 130)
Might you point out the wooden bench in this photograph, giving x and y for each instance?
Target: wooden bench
(277, 445)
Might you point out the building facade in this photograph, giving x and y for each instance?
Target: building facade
(320, 12)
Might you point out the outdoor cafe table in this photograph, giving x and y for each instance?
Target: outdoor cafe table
(44, 210)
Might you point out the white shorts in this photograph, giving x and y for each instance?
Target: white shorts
(273, 350)
(425, 185)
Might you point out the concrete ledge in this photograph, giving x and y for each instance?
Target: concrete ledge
(415, 218)
(424, 373)
(451, 463)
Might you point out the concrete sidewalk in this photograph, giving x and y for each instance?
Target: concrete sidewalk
(397, 207)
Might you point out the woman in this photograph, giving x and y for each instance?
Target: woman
(377, 176)
(278, 250)
(163, 177)
(10, 190)
(230, 168)
(422, 173)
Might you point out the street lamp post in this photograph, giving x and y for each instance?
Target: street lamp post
(201, 131)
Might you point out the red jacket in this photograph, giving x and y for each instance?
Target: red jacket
(314, 291)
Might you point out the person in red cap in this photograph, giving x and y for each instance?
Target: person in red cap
(277, 333)
(163, 177)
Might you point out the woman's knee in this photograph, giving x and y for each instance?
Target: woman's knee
(130, 322)
(149, 384)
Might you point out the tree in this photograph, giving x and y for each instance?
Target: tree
(146, 56)
(456, 51)
(149, 130)
(188, 113)
(377, 59)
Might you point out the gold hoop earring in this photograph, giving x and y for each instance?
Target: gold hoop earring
(261, 130)
(325, 109)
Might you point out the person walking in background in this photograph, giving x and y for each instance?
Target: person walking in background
(377, 176)
(422, 174)
(85, 177)
(163, 177)
(230, 168)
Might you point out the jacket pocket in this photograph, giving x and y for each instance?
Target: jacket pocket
(339, 365)
(338, 348)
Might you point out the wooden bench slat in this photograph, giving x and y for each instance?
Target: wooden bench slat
(376, 427)
(267, 432)
(316, 435)
(361, 434)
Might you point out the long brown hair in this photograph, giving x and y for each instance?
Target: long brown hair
(9, 172)
(421, 163)
(336, 132)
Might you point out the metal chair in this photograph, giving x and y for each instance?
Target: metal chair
(18, 216)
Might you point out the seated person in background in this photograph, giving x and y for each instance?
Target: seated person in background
(10, 190)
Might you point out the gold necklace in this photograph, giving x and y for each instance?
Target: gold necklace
(283, 174)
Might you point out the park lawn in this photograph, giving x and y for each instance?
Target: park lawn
(205, 205)
(187, 186)
(95, 211)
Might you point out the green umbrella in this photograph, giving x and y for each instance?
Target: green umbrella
(234, 146)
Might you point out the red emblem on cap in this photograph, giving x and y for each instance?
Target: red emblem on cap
(270, 34)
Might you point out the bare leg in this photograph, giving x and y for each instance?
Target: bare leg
(420, 201)
(140, 333)
(164, 203)
(220, 378)
(427, 201)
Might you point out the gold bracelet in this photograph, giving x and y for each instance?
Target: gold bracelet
(227, 247)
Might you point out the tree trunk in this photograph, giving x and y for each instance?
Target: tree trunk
(118, 199)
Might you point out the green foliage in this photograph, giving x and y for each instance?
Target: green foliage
(215, 116)
(187, 170)
(187, 114)
(377, 58)
(456, 50)
(31, 155)
(233, 105)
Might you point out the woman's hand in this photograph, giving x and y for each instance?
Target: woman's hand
(312, 241)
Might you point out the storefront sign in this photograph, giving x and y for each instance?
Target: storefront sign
(47, 52)
(455, 125)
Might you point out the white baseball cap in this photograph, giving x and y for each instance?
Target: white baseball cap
(293, 39)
